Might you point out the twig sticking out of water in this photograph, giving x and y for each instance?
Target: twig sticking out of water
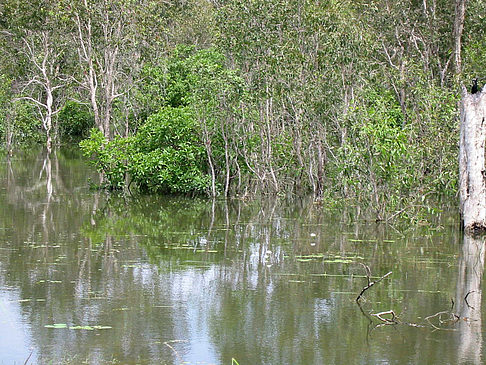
(167, 343)
(27, 360)
(370, 283)
(465, 299)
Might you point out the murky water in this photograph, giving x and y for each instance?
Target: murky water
(90, 278)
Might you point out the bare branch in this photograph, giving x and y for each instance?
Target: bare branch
(390, 61)
(32, 100)
(370, 283)
(392, 320)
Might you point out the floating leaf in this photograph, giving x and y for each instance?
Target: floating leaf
(339, 275)
(363, 241)
(313, 256)
(56, 325)
(338, 261)
(88, 328)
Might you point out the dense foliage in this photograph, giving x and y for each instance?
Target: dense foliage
(347, 100)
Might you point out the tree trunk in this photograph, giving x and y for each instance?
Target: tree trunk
(48, 116)
(472, 186)
(460, 13)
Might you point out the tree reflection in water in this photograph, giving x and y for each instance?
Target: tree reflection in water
(262, 281)
(468, 300)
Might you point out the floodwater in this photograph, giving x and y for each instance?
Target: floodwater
(88, 277)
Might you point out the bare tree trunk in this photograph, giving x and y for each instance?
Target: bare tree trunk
(472, 185)
(99, 55)
(460, 13)
(9, 134)
(227, 160)
(86, 55)
(320, 168)
(209, 152)
(48, 118)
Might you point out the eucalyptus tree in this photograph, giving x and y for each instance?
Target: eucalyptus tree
(102, 35)
(303, 62)
(113, 39)
(36, 40)
(44, 54)
(459, 17)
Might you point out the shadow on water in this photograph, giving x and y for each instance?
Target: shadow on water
(96, 278)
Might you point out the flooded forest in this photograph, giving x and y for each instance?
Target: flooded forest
(237, 182)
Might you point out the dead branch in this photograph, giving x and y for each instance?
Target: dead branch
(452, 316)
(370, 283)
(465, 299)
(167, 343)
(28, 358)
(392, 320)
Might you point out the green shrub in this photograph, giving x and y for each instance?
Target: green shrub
(189, 101)
(75, 121)
(170, 157)
(165, 156)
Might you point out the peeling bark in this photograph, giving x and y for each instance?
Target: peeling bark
(472, 185)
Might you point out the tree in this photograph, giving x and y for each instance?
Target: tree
(472, 185)
(35, 39)
(460, 14)
(44, 55)
(101, 35)
(113, 38)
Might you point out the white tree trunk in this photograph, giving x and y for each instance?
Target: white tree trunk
(472, 187)
(44, 55)
(460, 14)
(48, 117)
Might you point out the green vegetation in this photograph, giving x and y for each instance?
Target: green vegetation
(351, 101)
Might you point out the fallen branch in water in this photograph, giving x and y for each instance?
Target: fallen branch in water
(452, 316)
(392, 320)
(370, 283)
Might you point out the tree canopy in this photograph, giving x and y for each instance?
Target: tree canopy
(341, 99)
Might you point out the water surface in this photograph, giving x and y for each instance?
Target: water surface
(89, 277)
